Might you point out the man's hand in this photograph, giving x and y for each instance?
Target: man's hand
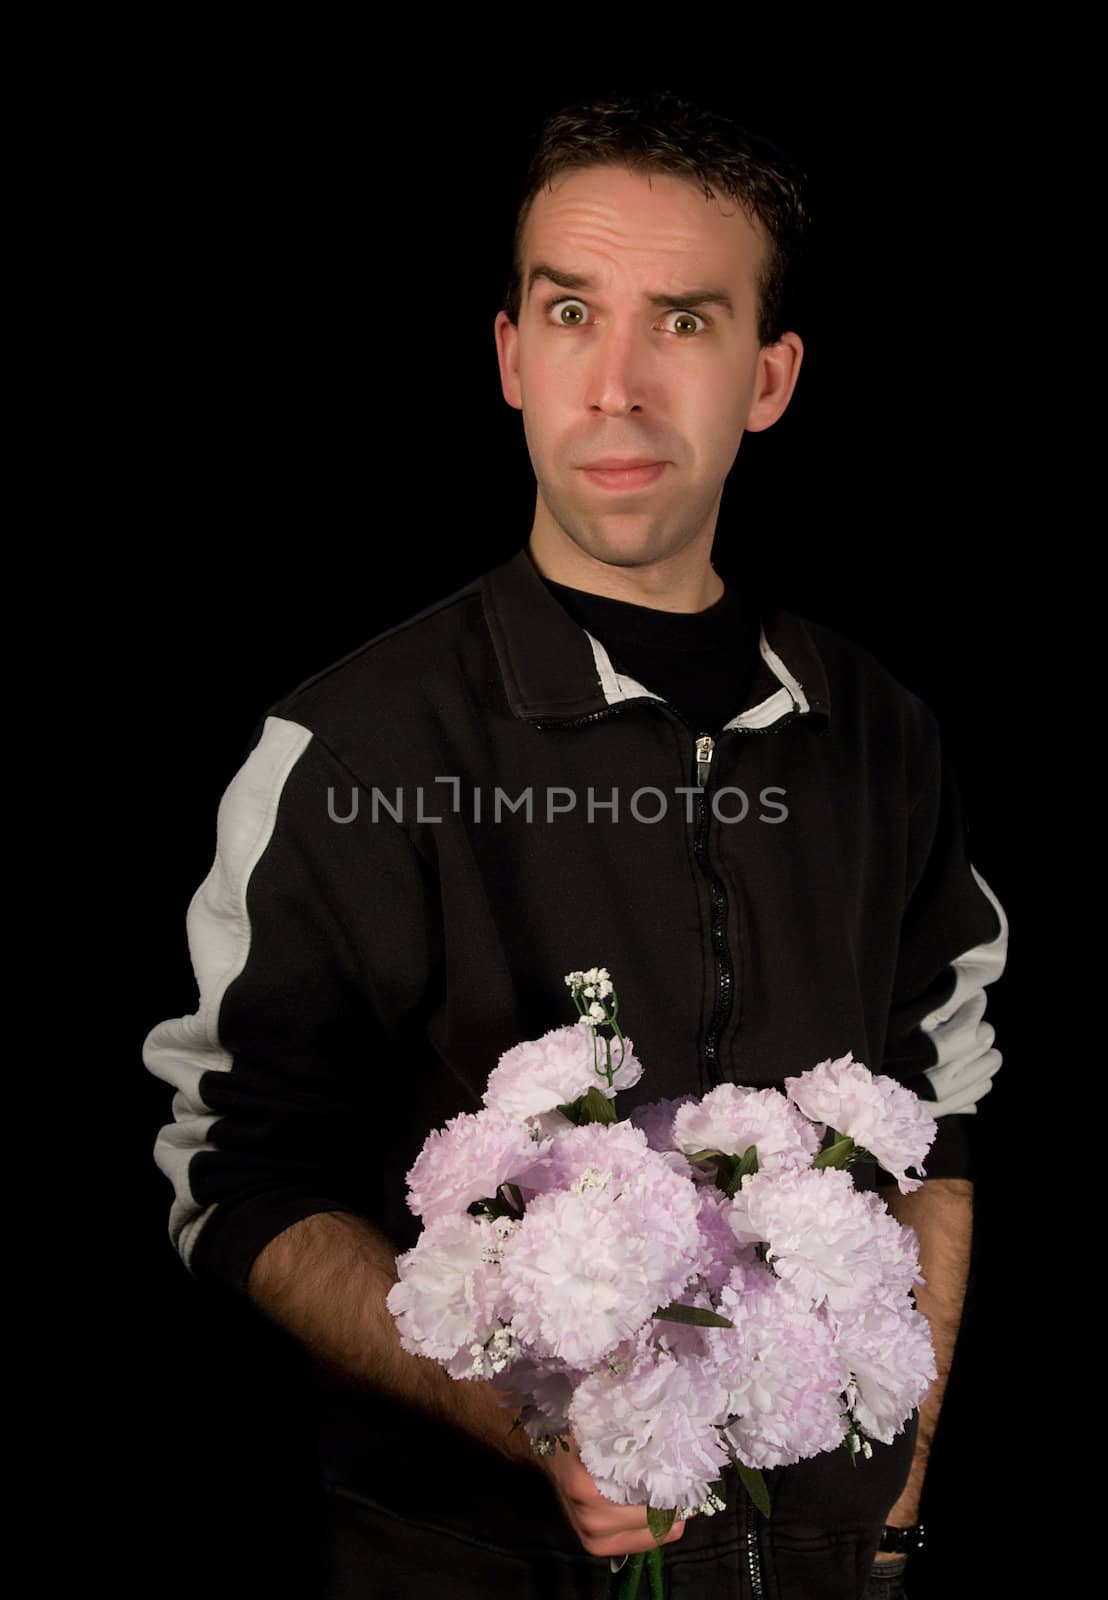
(603, 1528)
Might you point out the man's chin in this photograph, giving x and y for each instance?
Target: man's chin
(630, 539)
(620, 544)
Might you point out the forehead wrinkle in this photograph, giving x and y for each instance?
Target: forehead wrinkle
(671, 261)
(563, 222)
(597, 232)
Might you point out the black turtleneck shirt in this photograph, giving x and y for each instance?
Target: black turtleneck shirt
(702, 662)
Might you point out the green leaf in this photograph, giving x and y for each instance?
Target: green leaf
(572, 1112)
(835, 1155)
(734, 1183)
(660, 1522)
(695, 1316)
(725, 1175)
(741, 1167)
(749, 1162)
(755, 1486)
(596, 1107)
(704, 1155)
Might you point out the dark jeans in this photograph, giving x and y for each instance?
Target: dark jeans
(886, 1581)
(819, 1544)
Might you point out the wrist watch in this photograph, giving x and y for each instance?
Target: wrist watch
(905, 1540)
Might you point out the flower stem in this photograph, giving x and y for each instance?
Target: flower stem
(630, 1576)
(654, 1572)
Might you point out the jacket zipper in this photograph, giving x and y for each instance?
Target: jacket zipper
(750, 1515)
(753, 1556)
(725, 972)
(705, 745)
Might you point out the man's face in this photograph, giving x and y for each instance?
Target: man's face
(632, 359)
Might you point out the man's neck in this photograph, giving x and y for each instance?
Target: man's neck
(687, 582)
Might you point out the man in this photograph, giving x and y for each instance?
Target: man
(595, 754)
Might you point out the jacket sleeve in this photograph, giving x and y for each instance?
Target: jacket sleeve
(311, 941)
(953, 943)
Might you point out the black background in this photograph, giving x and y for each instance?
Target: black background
(321, 446)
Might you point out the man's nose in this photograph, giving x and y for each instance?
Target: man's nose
(619, 371)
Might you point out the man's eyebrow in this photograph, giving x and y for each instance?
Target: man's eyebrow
(679, 297)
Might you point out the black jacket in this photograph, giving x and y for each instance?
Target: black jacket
(407, 867)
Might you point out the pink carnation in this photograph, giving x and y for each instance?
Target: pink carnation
(649, 1434)
(533, 1078)
(878, 1113)
(783, 1373)
(469, 1159)
(542, 1391)
(450, 1294)
(588, 1268)
(613, 1147)
(887, 1346)
(833, 1243)
(732, 1117)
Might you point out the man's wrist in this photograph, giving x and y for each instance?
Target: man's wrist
(902, 1540)
(474, 1405)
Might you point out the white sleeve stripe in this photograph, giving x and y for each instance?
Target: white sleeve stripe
(181, 1049)
(965, 1058)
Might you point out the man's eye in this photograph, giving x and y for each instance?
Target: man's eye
(573, 306)
(685, 317)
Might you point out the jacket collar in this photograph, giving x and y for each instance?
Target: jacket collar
(557, 671)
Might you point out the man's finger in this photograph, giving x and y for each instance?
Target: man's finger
(617, 1546)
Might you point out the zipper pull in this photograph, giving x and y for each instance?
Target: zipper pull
(705, 746)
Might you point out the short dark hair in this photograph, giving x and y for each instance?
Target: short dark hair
(659, 131)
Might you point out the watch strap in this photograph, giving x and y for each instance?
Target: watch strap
(902, 1540)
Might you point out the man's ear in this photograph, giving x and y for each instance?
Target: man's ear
(507, 354)
(778, 369)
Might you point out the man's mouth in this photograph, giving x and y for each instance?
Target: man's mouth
(611, 473)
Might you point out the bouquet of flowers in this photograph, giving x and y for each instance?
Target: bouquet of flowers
(698, 1287)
